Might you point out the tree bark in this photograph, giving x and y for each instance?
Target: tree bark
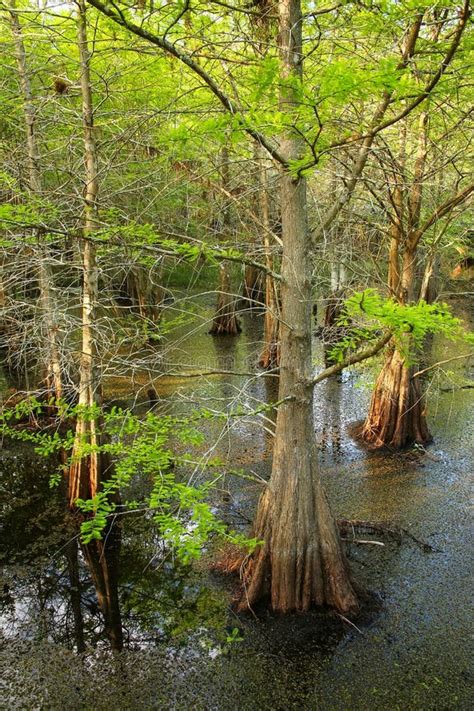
(396, 416)
(49, 345)
(226, 322)
(301, 562)
(145, 296)
(332, 332)
(86, 472)
(252, 290)
(270, 356)
(429, 284)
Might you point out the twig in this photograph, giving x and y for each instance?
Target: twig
(361, 541)
(442, 362)
(350, 623)
(348, 526)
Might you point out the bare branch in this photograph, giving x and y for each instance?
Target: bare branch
(442, 362)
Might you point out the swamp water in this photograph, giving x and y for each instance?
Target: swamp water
(183, 649)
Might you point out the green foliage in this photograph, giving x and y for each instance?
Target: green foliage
(143, 236)
(365, 312)
(234, 636)
(34, 212)
(185, 275)
(142, 448)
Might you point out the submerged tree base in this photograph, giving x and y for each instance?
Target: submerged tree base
(300, 571)
(396, 416)
(226, 325)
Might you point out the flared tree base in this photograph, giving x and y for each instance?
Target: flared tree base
(225, 326)
(270, 356)
(301, 564)
(226, 322)
(396, 416)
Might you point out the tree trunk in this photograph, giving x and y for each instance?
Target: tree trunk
(394, 262)
(145, 297)
(301, 562)
(226, 322)
(252, 290)
(270, 356)
(396, 416)
(86, 472)
(75, 593)
(49, 345)
(332, 332)
(253, 277)
(429, 284)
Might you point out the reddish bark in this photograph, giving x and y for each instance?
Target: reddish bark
(397, 416)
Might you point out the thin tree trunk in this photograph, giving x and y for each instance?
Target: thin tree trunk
(252, 290)
(49, 345)
(226, 322)
(301, 562)
(102, 559)
(86, 471)
(332, 332)
(145, 296)
(429, 286)
(270, 356)
(253, 277)
(75, 592)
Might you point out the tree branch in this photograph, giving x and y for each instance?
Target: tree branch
(187, 59)
(354, 358)
(442, 362)
(368, 139)
(377, 122)
(443, 210)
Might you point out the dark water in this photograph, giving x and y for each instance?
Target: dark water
(413, 654)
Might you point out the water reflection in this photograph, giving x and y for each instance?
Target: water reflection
(330, 394)
(72, 558)
(102, 559)
(48, 589)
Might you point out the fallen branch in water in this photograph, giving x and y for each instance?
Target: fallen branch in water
(344, 619)
(347, 527)
(360, 541)
(468, 386)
